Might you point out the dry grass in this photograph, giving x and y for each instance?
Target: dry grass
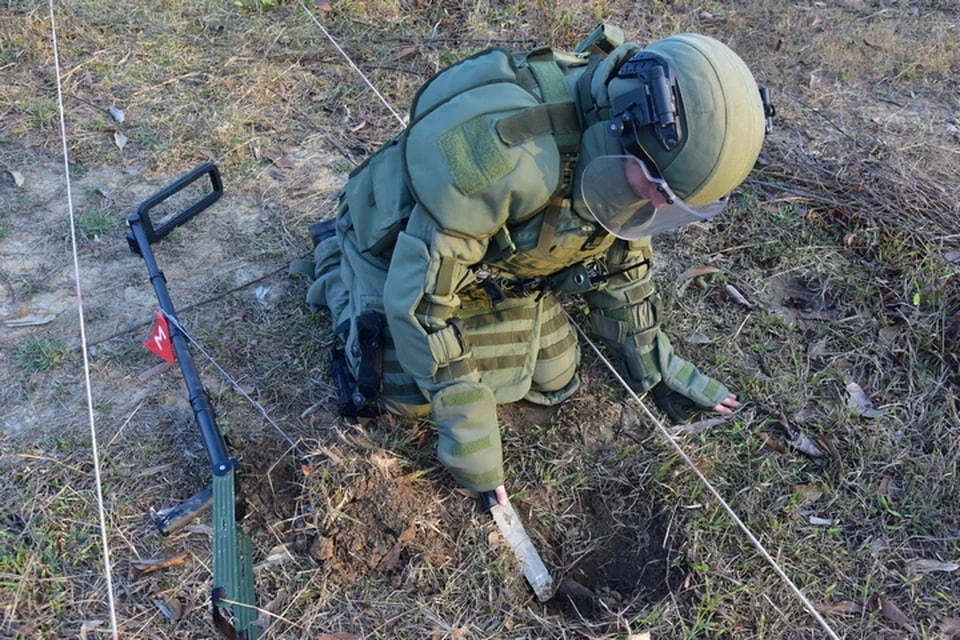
(844, 241)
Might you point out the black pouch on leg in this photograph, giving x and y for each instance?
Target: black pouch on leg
(352, 402)
(357, 397)
(346, 385)
(370, 328)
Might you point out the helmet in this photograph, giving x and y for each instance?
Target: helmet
(688, 109)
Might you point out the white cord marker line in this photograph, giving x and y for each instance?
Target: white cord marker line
(104, 538)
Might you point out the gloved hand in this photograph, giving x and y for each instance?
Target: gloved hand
(679, 407)
(681, 387)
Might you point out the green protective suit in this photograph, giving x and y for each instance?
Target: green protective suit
(465, 230)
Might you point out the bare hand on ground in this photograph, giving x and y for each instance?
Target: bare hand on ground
(727, 405)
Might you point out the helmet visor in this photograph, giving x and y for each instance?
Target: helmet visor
(629, 202)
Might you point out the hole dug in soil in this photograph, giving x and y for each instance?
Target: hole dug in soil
(371, 519)
(628, 567)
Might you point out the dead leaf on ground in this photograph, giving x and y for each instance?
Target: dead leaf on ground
(842, 608)
(323, 5)
(859, 402)
(279, 160)
(152, 471)
(117, 114)
(29, 321)
(889, 610)
(923, 565)
(950, 628)
(140, 568)
(391, 559)
(831, 449)
(170, 607)
(407, 52)
(888, 335)
(700, 426)
(888, 487)
(143, 376)
(277, 555)
(120, 140)
(275, 605)
(771, 442)
(17, 177)
(696, 272)
(339, 635)
(818, 349)
(808, 493)
(799, 440)
(738, 297)
(692, 274)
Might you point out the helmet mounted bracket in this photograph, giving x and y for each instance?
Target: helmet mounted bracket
(655, 103)
(769, 111)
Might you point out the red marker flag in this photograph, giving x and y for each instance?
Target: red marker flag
(159, 340)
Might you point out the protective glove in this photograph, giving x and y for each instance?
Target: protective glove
(677, 386)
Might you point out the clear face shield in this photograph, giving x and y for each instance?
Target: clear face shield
(630, 202)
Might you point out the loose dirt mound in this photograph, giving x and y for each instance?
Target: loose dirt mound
(373, 514)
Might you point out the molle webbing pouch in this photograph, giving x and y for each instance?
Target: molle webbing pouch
(504, 343)
(369, 341)
(485, 142)
(378, 201)
(573, 279)
(350, 403)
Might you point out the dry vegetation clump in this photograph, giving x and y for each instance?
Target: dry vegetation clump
(827, 296)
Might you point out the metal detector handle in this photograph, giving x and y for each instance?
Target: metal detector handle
(154, 234)
(172, 519)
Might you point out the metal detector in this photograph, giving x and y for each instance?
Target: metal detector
(234, 605)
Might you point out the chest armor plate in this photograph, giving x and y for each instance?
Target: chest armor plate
(548, 242)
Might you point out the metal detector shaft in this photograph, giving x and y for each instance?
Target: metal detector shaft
(142, 233)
